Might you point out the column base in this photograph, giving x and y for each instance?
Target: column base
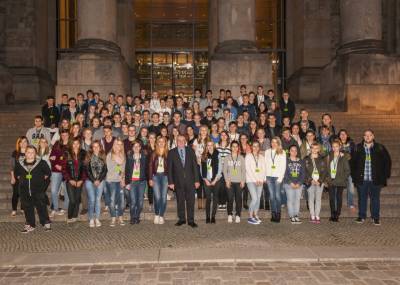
(229, 71)
(97, 45)
(236, 47)
(102, 72)
(363, 47)
(363, 83)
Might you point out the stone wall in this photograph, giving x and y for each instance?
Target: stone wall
(26, 50)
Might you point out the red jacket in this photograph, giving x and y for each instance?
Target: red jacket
(58, 151)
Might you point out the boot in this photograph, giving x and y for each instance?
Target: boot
(333, 216)
(278, 217)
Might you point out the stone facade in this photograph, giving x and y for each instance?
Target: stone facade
(27, 50)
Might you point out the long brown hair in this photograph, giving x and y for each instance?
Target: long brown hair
(90, 153)
(157, 151)
(204, 155)
(18, 144)
(71, 154)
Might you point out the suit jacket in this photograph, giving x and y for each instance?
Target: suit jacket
(180, 175)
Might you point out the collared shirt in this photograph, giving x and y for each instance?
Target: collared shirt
(182, 154)
(368, 164)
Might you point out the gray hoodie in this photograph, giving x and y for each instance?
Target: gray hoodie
(234, 170)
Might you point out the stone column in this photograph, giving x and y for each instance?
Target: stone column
(236, 59)
(212, 26)
(97, 25)
(236, 26)
(361, 26)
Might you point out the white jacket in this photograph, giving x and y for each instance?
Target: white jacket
(252, 175)
(276, 168)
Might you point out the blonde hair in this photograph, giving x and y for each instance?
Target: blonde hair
(121, 153)
(46, 150)
(279, 149)
(164, 152)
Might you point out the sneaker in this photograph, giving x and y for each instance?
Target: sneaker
(161, 222)
(312, 220)
(13, 213)
(237, 220)
(91, 224)
(360, 220)
(220, 207)
(27, 229)
(252, 221)
(297, 219)
(70, 221)
(258, 219)
(105, 209)
(112, 224)
(121, 221)
(60, 213)
(47, 227)
(376, 222)
(52, 214)
(317, 220)
(293, 220)
(156, 220)
(98, 223)
(230, 219)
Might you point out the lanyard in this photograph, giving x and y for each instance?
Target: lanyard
(314, 165)
(234, 161)
(273, 157)
(335, 162)
(256, 160)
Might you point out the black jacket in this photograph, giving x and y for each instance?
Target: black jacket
(381, 164)
(98, 175)
(129, 167)
(180, 175)
(69, 171)
(32, 178)
(50, 115)
(214, 164)
(289, 109)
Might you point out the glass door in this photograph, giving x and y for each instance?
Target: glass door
(162, 72)
(183, 73)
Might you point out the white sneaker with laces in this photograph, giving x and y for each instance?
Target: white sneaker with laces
(91, 224)
(156, 220)
(230, 219)
(98, 223)
(161, 222)
(52, 214)
(237, 220)
(60, 213)
(112, 224)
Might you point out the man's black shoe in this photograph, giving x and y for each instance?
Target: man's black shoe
(180, 223)
(193, 225)
(207, 220)
(213, 220)
(377, 222)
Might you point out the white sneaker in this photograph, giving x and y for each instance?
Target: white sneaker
(121, 221)
(237, 220)
(52, 214)
(60, 213)
(156, 220)
(91, 224)
(258, 219)
(98, 224)
(112, 224)
(161, 221)
(230, 220)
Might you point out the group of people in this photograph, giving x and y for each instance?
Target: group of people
(245, 151)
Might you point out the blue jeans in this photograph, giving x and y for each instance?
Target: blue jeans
(117, 203)
(137, 196)
(274, 188)
(55, 184)
(160, 189)
(293, 199)
(94, 198)
(107, 195)
(255, 194)
(350, 192)
(373, 191)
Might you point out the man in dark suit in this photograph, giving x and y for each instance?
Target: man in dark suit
(183, 177)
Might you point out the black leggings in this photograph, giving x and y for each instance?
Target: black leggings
(234, 193)
(222, 194)
(15, 196)
(212, 196)
(335, 200)
(74, 195)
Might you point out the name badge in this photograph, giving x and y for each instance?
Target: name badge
(294, 174)
(333, 171)
(273, 167)
(118, 169)
(209, 168)
(257, 170)
(28, 176)
(51, 117)
(136, 174)
(368, 157)
(234, 172)
(35, 141)
(61, 157)
(286, 109)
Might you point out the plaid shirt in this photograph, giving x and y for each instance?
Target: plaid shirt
(367, 165)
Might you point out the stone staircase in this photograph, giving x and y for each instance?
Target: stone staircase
(14, 121)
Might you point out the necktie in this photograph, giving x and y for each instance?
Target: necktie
(182, 155)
